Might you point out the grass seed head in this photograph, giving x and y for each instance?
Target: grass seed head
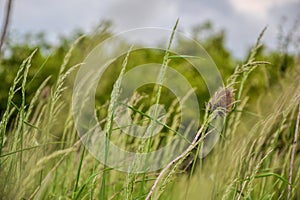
(222, 100)
(45, 93)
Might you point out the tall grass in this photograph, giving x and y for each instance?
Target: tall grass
(41, 155)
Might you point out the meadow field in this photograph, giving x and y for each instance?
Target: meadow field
(241, 143)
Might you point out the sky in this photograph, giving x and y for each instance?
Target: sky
(242, 20)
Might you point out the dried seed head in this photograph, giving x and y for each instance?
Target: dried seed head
(222, 100)
(45, 93)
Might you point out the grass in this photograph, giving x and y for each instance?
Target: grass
(42, 157)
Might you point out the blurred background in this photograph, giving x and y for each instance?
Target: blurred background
(226, 29)
(242, 20)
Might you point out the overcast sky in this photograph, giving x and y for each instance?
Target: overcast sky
(242, 19)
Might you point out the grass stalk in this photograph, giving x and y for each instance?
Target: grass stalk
(293, 154)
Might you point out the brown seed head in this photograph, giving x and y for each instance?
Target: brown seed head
(45, 93)
(222, 100)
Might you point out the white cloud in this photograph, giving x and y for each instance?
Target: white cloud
(258, 8)
(55, 16)
(138, 13)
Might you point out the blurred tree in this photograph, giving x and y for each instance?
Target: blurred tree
(47, 59)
